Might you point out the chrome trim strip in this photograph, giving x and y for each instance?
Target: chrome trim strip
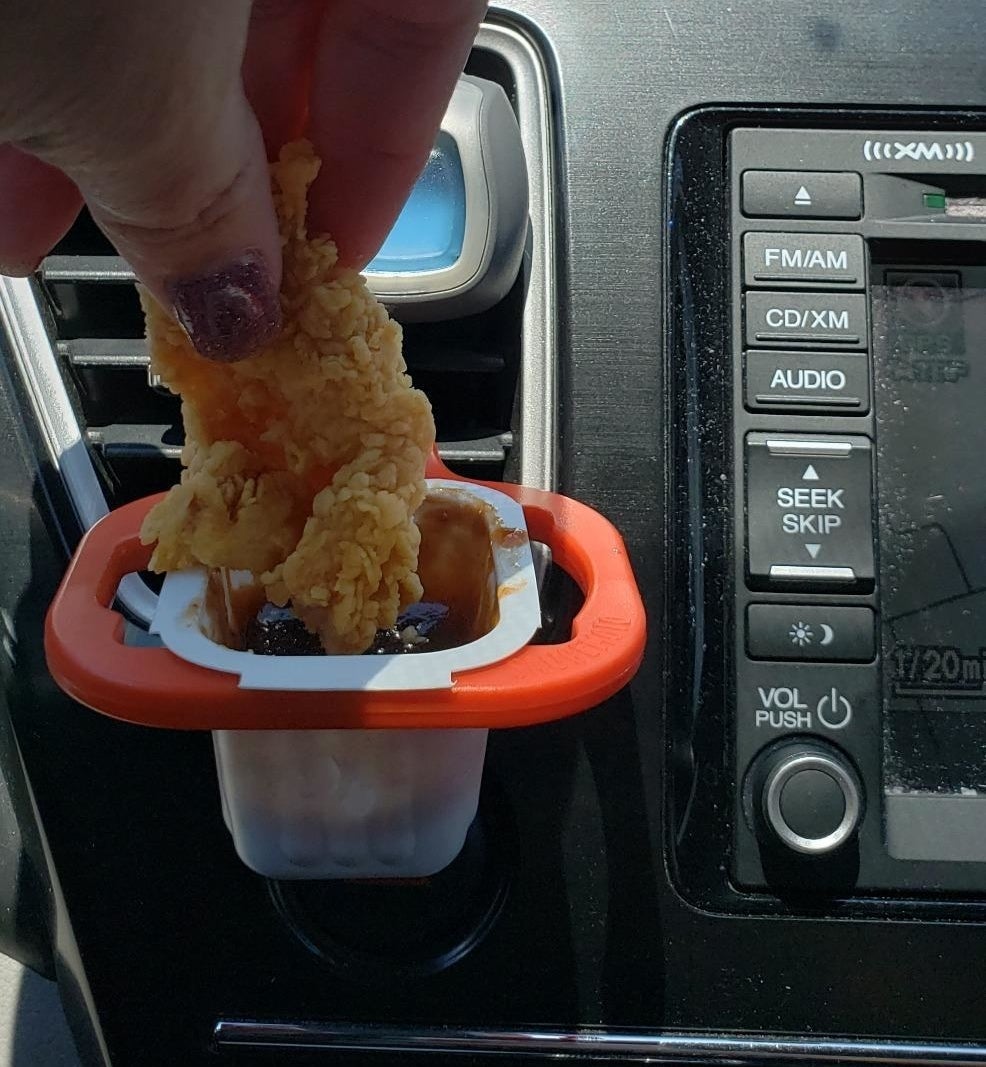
(538, 376)
(783, 571)
(36, 361)
(780, 776)
(808, 448)
(735, 1049)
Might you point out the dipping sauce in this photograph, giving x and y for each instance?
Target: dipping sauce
(275, 631)
(455, 565)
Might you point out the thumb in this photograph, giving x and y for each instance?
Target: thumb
(163, 146)
(200, 231)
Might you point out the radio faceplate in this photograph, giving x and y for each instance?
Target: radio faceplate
(858, 340)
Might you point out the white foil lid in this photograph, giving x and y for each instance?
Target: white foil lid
(180, 616)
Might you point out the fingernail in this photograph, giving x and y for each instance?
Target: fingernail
(229, 313)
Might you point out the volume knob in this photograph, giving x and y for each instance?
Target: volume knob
(812, 799)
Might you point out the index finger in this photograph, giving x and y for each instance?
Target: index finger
(384, 73)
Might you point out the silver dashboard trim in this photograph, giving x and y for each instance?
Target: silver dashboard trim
(774, 788)
(36, 358)
(795, 572)
(738, 1050)
(789, 447)
(539, 333)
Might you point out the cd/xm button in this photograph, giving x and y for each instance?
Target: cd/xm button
(806, 318)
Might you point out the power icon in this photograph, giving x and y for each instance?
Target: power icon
(834, 710)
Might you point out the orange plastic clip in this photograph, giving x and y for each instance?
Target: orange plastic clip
(153, 687)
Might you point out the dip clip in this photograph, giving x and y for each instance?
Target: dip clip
(361, 766)
(504, 585)
(495, 684)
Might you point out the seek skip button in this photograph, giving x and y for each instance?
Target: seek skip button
(809, 510)
(804, 259)
(806, 318)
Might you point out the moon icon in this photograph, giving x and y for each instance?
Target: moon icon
(827, 634)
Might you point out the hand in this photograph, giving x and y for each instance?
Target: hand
(161, 118)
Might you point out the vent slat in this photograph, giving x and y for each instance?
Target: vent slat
(133, 440)
(482, 450)
(452, 361)
(112, 352)
(115, 269)
(128, 352)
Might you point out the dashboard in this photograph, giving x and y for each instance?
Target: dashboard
(748, 331)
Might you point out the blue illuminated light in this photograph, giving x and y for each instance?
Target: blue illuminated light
(428, 234)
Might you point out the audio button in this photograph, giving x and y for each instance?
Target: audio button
(811, 382)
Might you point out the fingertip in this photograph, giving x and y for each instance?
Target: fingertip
(209, 248)
(380, 88)
(277, 67)
(38, 205)
(356, 199)
(15, 269)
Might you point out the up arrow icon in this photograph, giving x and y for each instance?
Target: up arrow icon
(802, 197)
(810, 474)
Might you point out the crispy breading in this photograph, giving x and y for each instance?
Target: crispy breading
(304, 463)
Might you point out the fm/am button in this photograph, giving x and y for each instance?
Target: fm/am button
(804, 259)
(811, 382)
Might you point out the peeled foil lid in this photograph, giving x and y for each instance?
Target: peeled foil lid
(178, 621)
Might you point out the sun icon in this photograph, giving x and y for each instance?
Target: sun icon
(801, 634)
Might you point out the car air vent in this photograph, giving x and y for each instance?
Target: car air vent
(468, 367)
(114, 434)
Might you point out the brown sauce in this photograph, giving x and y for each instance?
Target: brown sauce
(508, 537)
(455, 565)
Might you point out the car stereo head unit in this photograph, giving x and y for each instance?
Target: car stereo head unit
(859, 352)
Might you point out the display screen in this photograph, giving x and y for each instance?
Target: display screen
(929, 351)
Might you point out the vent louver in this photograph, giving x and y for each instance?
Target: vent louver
(468, 367)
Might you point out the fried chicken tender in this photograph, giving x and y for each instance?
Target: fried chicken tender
(304, 463)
